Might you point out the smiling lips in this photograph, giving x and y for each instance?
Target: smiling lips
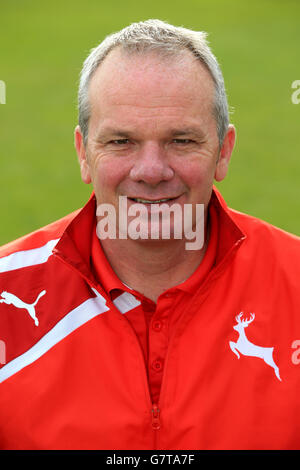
(149, 201)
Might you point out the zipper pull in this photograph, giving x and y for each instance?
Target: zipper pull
(155, 417)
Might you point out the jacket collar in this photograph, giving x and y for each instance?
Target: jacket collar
(230, 234)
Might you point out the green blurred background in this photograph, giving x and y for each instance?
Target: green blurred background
(42, 47)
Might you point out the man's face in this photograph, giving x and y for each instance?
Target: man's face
(152, 134)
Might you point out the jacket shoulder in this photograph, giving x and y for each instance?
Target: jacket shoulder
(261, 235)
(36, 239)
(250, 223)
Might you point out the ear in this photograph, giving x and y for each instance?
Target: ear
(225, 153)
(82, 156)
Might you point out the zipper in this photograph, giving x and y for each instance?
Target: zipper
(155, 411)
(155, 417)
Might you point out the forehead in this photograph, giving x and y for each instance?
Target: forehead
(149, 85)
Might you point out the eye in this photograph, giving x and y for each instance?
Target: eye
(183, 141)
(119, 141)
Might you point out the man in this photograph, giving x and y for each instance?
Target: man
(139, 342)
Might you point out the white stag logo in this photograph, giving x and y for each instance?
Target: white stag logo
(245, 347)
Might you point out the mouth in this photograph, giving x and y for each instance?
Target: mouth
(152, 201)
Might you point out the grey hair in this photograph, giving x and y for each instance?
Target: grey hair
(155, 36)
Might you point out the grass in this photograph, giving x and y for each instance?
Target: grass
(43, 45)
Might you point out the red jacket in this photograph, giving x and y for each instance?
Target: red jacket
(74, 375)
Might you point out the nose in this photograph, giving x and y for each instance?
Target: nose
(151, 165)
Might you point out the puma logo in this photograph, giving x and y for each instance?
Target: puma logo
(11, 299)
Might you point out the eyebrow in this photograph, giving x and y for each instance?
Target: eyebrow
(112, 131)
(187, 131)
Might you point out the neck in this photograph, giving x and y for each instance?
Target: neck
(166, 262)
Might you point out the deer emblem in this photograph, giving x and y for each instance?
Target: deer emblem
(245, 347)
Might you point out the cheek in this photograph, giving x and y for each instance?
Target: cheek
(197, 173)
(108, 174)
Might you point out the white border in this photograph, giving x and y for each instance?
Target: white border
(25, 258)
